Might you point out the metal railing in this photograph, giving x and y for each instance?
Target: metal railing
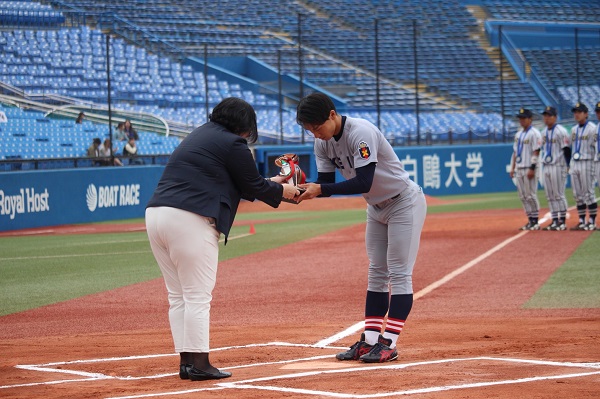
(62, 106)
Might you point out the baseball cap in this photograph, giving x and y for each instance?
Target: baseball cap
(525, 113)
(580, 107)
(597, 107)
(549, 111)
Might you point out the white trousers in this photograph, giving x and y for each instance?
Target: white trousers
(527, 189)
(186, 247)
(582, 181)
(555, 181)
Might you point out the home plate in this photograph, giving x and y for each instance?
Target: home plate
(314, 365)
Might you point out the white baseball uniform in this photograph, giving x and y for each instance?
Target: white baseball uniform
(554, 170)
(583, 139)
(526, 143)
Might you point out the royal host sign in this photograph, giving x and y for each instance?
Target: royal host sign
(58, 197)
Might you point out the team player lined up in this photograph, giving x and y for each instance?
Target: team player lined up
(559, 154)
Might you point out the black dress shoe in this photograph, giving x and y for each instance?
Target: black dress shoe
(184, 370)
(200, 375)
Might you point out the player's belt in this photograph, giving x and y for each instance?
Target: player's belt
(386, 202)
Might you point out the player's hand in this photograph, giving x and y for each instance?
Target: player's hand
(278, 179)
(290, 192)
(512, 173)
(530, 174)
(312, 190)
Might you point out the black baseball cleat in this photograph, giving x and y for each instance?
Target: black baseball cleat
(590, 226)
(200, 375)
(579, 227)
(527, 226)
(184, 370)
(381, 352)
(356, 351)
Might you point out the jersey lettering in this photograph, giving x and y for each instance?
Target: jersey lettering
(337, 162)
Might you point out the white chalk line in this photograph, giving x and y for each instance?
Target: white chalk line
(47, 367)
(414, 391)
(360, 325)
(248, 383)
(73, 255)
(320, 344)
(105, 253)
(353, 329)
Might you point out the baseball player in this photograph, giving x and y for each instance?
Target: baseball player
(556, 155)
(583, 148)
(597, 161)
(526, 150)
(395, 216)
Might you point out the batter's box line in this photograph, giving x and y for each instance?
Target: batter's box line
(49, 367)
(248, 384)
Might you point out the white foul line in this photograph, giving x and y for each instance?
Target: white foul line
(360, 325)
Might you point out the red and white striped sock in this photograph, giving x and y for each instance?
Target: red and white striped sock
(393, 328)
(373, 325)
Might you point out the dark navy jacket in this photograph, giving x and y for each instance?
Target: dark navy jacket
(209, 172)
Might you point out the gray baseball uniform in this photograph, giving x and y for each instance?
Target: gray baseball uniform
(396, 205)
(583, 147)
(597, 161)
(526, 143)
(554, 170)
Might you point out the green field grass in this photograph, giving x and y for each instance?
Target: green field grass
(576, 284)
(479, 202)
(41, 270)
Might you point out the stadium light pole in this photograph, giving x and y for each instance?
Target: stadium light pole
(416, 65)
(300, 65)
(577, 64)
(109, 99)
(501, 83)
(377, 71)
(280, 96)
(377, 74)
(206, 106)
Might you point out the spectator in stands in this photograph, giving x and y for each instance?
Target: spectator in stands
(105, 152)
(3, 118)
(93, 151)
(130, 131)
(121, 136)
(130, 151)
(80, 117)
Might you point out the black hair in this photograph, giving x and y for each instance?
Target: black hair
(237, 116)
(314, 109)
(97, 140)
